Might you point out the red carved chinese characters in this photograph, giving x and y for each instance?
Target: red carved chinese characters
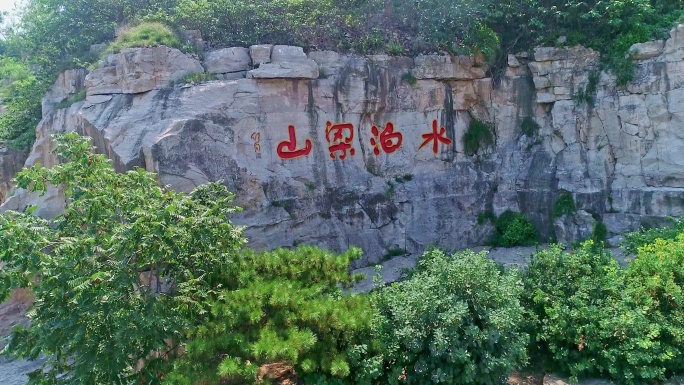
(435, 137)
(256, 137)
(287, 149)
(388, 140)
(340, 137)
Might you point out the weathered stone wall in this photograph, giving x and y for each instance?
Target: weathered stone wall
(619, 155)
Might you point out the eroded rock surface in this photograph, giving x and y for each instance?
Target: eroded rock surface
(295, 141)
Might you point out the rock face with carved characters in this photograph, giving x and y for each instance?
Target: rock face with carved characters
(343, 150)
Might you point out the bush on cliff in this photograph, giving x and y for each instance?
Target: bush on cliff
(148, 34)
(513, 229)
(456, 320)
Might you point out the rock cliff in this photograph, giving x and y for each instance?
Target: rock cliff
(340, 150)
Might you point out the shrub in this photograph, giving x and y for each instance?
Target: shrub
(456, 320)
(529, 127)
(147, 34)
(565, 205)
(600, 233)
(198, 77)
(279, 306)
(513, 229)
(21, 92)
(648, 236)
(581, 321)
(75, 98)
(409, 78)
(486, 216)
(477, 135)
(655, 279)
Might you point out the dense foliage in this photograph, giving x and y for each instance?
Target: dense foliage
(648, 236)
(456, 320)
(119, 275)
(655, 280)
(513, 229)
(588, 320)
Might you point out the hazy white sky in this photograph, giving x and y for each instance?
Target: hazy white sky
(7, 5)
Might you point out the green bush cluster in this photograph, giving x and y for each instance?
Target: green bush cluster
(529, 127)
(590, 317)
(278, 306)
(147, 34)
(565, 205)
(479, 134)
(510, 229)
(648, 236)
(456, 320)
(586, 321)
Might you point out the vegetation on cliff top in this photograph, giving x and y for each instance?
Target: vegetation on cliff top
(52, 35)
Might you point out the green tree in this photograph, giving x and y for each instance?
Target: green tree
(456, 320)
(120, 275)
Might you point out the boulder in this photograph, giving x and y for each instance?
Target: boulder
(287, 53)
(445, 67)
(260, 54)
(138, 70)
(228, 60)
(68, 83)
(286, 62)
(574, 227)
(643, 51)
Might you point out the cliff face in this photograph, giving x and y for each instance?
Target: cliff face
(341, 150)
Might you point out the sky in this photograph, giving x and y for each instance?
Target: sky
(7, 5)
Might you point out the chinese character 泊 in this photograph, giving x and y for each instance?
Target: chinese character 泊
(386, 139)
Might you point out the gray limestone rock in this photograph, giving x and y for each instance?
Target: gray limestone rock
(295, 69)
(574, 227)
(284, 145)
(228, 60)
(67, 84)
(260, 54)
(138, 70)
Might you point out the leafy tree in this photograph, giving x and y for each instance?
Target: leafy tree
(456, 320)
(20, 92)
(120, 275)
